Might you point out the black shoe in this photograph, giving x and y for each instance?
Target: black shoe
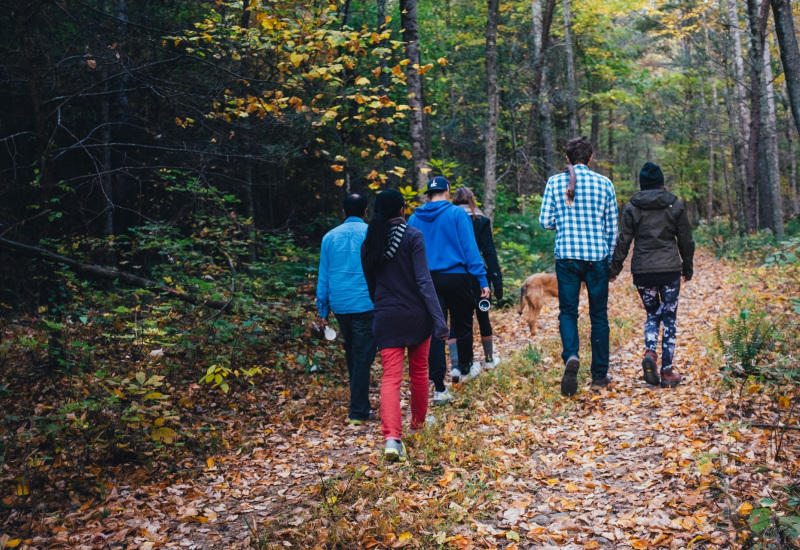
(601, 382)
(569, 382)
(649, 368)
(360, 421)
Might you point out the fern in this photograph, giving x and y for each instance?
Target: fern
(746, 341)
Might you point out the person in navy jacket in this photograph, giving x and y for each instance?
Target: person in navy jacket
(453, 257)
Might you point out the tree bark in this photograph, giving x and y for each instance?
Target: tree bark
(770, 136)
(611, 144)
(571, 92)
(416, 118)
(790, 55)
(757, 31)
(790, 139)
(490, 174)
(525, 174)
(710, 136)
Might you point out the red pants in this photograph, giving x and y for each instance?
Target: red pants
(391, 418)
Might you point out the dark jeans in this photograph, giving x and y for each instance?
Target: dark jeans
(570, 274)
(359, 351)
(454, 291)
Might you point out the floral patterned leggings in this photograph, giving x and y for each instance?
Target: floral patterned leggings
(661, 304)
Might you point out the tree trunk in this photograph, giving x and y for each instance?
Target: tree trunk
(790, 55)
(416, 118)
(770, 136)
(710, 135)
(611, 144)
(571, 93)
(790, 130)
(490, 174)
(757, 31)
(524, 174)
(740, 93)
(595, 131)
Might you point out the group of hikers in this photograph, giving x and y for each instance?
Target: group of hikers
(392, 284)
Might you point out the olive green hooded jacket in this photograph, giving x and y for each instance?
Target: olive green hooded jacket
(657, 223)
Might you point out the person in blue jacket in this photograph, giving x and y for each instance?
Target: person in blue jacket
(342, 288)
(453, 257)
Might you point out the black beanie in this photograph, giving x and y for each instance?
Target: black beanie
(651, 176)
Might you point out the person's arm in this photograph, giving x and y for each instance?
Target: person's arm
(623, 245)
(469, 247)
(685, 243)
(610, 223)
(323, 304)
(487, 248)
(422, 275)
(369, 275)
(547, 216)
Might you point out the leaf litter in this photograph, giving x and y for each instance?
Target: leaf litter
(510, 464)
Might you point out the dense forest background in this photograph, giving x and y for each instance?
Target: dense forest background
(168, 168)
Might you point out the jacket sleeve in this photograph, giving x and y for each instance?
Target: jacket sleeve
(624, 240)
(547, 217)
(323, 304)
(469, 247)
(487, 248)
(685, 243)
(422, 275)
(612, 214)
(369, 275)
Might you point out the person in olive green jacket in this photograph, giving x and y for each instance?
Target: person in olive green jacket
(663, 252)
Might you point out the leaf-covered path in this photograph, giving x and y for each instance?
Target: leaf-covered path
(510, 464)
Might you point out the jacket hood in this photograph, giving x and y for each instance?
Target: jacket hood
(430, 211)
(653, 199)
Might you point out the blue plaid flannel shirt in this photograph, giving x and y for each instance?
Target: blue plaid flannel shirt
(587, 230)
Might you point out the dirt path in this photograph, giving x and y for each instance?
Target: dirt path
(625, 467)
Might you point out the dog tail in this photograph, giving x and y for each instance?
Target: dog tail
(522, 290)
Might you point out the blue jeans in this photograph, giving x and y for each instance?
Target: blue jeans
(570, 274)
(359, 351)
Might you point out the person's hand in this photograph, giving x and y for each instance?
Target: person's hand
(612, 279)
(321, 322)
(485, 292)
(685, 280)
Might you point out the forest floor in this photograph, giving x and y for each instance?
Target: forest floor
(510, 464)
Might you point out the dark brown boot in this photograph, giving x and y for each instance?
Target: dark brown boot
(650, 369)
(670, 378)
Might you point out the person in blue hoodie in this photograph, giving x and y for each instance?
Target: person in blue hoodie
(453, 257)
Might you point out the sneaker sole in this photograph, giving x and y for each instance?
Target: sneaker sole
(569, 382)
(649, 369)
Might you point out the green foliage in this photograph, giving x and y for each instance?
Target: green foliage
(746, 340)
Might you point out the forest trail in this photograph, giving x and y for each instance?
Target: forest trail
(625, 467)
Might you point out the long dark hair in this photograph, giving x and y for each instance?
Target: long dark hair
(387, 205)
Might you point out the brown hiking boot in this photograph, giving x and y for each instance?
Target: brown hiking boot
(649, 368)
(601, 382)
(670, 378)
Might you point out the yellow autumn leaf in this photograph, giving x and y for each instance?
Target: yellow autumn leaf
(210, 462)
(639, 544)
(552, 481)
(706, 468)
(296, 58)
(13, 543)
(404, 537)
(362, 81)
(745, 509)
(447, 478)
(512, 535)
(338, 183)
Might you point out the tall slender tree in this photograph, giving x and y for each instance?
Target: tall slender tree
(420, 149)
(572, 114)
(493, 99)
(790, 54)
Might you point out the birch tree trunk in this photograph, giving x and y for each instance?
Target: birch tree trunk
(770, 136)
(571, 114)
(710, 136)
(416, 118)
(490, 174)
(741, 132)
(790, 55)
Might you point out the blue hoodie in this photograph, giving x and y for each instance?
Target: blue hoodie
(449, 239)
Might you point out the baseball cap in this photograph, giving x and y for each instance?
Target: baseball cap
(438, 184)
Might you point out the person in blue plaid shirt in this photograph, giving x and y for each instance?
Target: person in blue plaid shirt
(581, 206)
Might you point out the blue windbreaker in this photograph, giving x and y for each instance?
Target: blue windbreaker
(449, 239)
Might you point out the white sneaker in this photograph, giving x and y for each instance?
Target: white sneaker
(475, 370)
(442, 397)
(455, 375)
(489, 365)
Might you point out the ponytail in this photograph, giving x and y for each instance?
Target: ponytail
(573, 180)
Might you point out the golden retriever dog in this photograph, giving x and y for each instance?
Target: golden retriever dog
(533, 292)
